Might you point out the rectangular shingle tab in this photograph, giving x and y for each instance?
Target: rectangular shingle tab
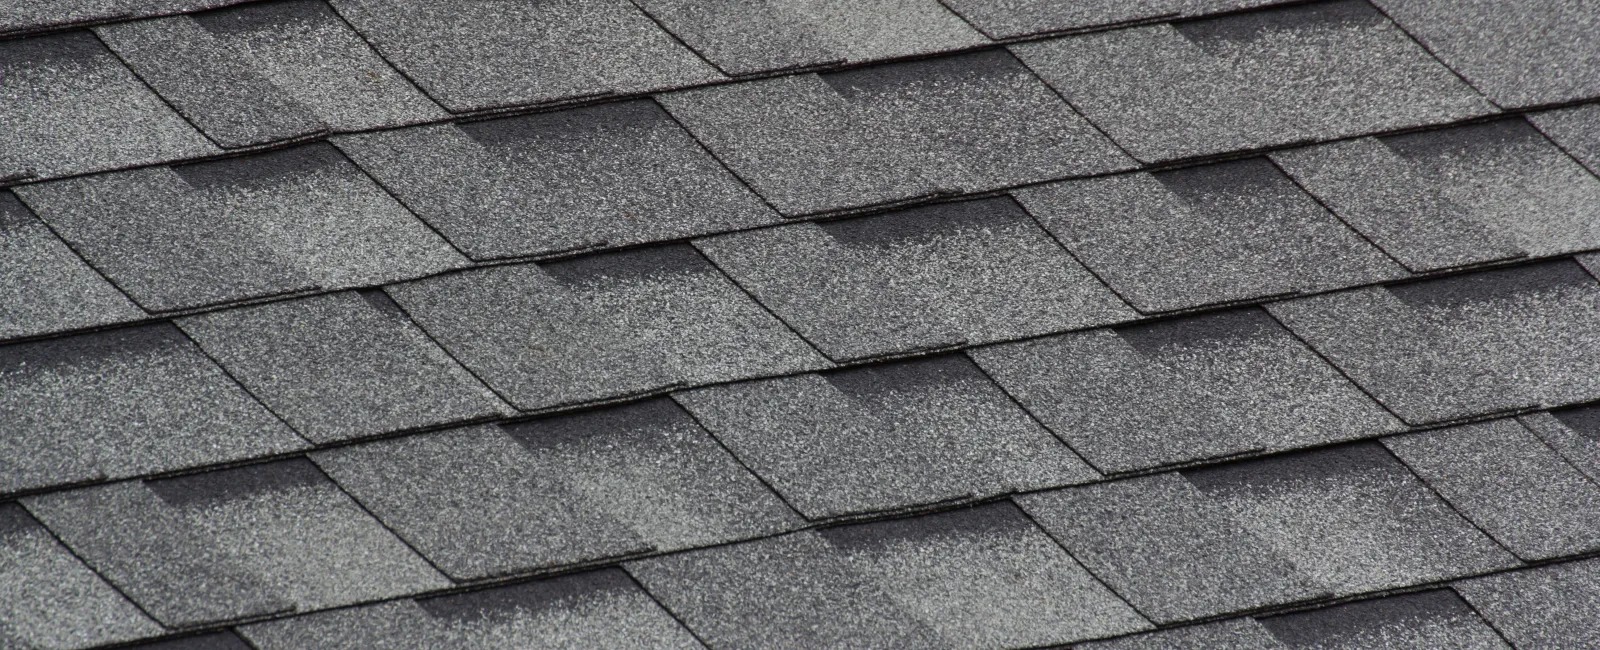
(885, 437)
(1574, 433)
(1202, 235)
(1013, 18)
(614, 174)
(44, 286)
(28, 16)
(1576, 129)
(1180, 390)
(924, 278)
(207, 233)
(1465, 345)
(1250, 80)
(343, 365)
(1545, 608)
(895, 132)
(487, 54)
(1427, 619)
(1233, 634)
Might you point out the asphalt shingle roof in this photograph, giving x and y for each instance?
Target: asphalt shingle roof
(44, 286)
(1542, 608)
(49, 599)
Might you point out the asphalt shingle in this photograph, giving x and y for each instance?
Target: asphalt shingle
(1465, 345)
(207, 233)
(488, 501)
(224, 640)
(603, 326)
(1233, 634)
(1574, 433)
(234, 543)
(894, 133)
(121, 403)
(1180, 390)
(885, 437)
(44, 286)
(1013, 18)
(1203, 235)
(1251, 80)
(1428, 619)
(614, 174)
(924, 278)
(1518, 53)
(1552, 607)
(18, 16)
(1575, 129)
(487, 54)
(601, 610)
(1458, 196)
(342, 365)
(60, 97)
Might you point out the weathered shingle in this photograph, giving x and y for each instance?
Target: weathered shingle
(603, 326)
(1180, 390)
(1232, 634)
(600, 610)
(1546, 608)
(495, 53)
(1576, 129)
(44, 286)
(613, 174)
(233, 543)
(924, 278)
(894, 132)
(207, 233)
(1201, 235)
(1012, 18)
(1428, 619)
(1250, 80)
(1518, 53)
(342, 365)
(61, 98)
(1574, 433)
(26, 15)
(1457, 196)
(1464, 345)
(122, 403)
(885, 437)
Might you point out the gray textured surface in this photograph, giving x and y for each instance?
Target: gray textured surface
(1013, 18)
(495, 53)
(30, 15)
(885, 437)
(1200, 235)
(1447, 348)
(1574, 433)
(121, 403)
(1180, 390)
(613, 174)
(343, 365)
(1234, 634)
(894, 132)
(1459, 196)
(44, 286)
(924, 278)
(194, 235)
(1575, 129)
(1545, 608)
(1428, 619)
(1250, 80)
(603, 326)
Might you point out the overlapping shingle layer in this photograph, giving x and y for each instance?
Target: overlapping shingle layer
(1189, 324)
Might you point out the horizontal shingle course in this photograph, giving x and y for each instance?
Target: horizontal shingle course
(44, 286)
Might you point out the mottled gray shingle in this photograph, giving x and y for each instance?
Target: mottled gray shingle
(1234, 634)
(1574, 433)
(31, 15)
(1013, 18)
(44, 286)
(1576, 129)
(224, 640)
(1428, 619)
(1551, 607)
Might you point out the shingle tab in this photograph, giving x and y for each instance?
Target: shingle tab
(614, 174)
(1013, 18)
(214, 641)
(1576, 129)
(61, 96)
(207, 233)
(1428, 619)
(1180, 390)
(1551, 607)
(121, 403)
(1574, 433)
(603, 326)
(603, 609)
(894, 133)
(1233, 634)
(924, 278)
(1457, 196)
(749, 37)
(344, 365)
(565, 490)
(1250, 80)
(44, 286)
(26, 16)
(234, 543)
(497, 53)
(885, 437)
(1202, 235)
(1465, 345)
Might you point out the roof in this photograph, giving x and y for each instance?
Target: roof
(1197, 324)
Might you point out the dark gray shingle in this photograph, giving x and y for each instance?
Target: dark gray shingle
(28, 15)
(342, 365)
(1428, 619)
(613, 174)
(207, 233)
(495, 53)
(885, 437)
(1233, 634)
(121, 403)
(1574, 433)
(1243, 81)
(1200, 235)
(1465, 345)
(924, 278)
(1551, 607)
(1180, 390)
(1013, 18)
(1458, 196)
(895, 132)
(1576, 129)
(224, 640)
(603, 326)
(44, 286)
